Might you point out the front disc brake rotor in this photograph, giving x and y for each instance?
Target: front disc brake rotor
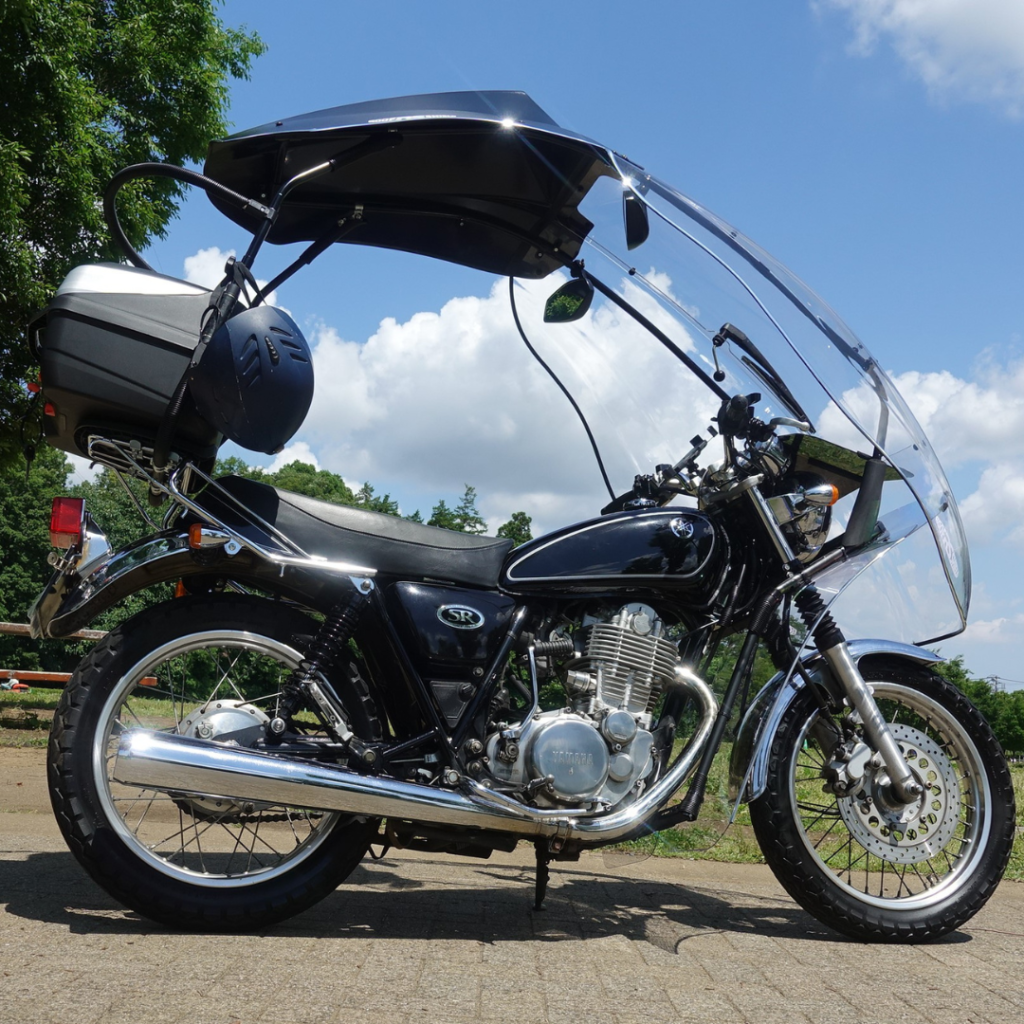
(914, 832)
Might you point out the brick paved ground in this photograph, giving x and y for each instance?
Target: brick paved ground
(437, 939)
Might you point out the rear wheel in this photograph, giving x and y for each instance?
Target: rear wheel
(866, 864)
(209, 667)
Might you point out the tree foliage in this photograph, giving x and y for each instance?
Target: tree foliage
(91, 86)
(25, 499)
(1004, 710)
(464, 517)
(517, 529)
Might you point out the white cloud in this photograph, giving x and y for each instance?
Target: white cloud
(298, 451)
(1004, 630)
(454, 396)
(972, 49)
(206, 269)
(995, 511)
(969, 420)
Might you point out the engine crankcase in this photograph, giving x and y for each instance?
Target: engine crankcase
(581, 764)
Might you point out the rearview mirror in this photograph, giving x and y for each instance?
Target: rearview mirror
(570, 302)
(634, 212)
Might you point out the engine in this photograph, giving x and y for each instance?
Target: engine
(599, 750)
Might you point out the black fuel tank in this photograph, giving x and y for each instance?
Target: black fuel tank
(666, 549)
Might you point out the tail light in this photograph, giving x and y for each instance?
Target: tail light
(66, 519)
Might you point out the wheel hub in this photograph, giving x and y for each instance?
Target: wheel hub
(906, 833)
(232, 722)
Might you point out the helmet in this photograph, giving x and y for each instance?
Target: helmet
(254, 382)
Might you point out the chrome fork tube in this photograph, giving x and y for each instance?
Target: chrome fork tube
(862, 700)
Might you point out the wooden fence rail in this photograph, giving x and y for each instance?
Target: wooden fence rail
(51, 680)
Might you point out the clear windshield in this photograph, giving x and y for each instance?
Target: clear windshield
(691, 275)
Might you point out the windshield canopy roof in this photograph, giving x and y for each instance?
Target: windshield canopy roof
(484, 179)
(489, 181)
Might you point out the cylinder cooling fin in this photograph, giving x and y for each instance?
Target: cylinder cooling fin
(629, 658)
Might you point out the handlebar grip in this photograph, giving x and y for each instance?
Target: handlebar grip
(618, 504)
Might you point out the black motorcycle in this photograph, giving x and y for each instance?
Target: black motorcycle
(329, 678)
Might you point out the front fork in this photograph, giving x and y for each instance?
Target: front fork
(876, 729)
(832, 644)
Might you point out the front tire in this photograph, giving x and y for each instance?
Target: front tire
(869, 867)
(211, 667)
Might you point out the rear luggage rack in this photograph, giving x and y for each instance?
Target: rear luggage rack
(130, 457)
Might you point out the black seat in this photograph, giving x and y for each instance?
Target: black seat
(392, 546)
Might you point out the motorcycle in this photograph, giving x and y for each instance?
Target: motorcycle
(328, 678)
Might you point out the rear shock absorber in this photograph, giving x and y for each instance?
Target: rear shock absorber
(309, 679)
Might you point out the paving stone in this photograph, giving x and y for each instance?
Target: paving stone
(427, 939)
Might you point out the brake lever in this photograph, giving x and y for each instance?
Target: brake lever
(786, 421)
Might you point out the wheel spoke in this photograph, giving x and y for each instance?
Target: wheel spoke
(222, 681)
(882, 854)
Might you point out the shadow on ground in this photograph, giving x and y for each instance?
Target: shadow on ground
(388, 899)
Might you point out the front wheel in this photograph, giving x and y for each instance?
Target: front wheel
(209, 667)
(866, 864)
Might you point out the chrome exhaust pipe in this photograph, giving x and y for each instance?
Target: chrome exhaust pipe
(180, 764)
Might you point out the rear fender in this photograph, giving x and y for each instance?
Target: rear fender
(748, 766)
(72, 599)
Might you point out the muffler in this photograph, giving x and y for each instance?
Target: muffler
(181, 764)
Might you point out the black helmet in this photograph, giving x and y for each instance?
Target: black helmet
(254, 382)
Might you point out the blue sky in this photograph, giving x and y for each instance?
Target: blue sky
(873, 146)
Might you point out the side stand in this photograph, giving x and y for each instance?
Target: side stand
(543, 874)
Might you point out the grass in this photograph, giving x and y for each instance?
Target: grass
(25, 722)
(1015, 869)
(25, 717)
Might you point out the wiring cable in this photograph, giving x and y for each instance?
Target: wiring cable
(565, 391)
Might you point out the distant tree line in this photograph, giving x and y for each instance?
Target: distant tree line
(1004, 709)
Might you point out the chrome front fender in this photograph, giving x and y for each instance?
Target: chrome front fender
(748, 766)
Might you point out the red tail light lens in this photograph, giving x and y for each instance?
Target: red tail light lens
(66, 522)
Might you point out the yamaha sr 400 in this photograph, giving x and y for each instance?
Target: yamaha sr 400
(329, 678)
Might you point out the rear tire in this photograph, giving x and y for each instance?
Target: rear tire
(878, 871)
(203, 863)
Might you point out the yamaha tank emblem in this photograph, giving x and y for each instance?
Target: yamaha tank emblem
(460, 616)
(682, 528)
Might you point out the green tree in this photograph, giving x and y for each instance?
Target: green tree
(1004, 711)
(467, 517)
(25, 500)
(464, 518)
(368, 500)
(302, 478)
(441, 515)
(517, 529)
(234, 466)
(89, 87)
